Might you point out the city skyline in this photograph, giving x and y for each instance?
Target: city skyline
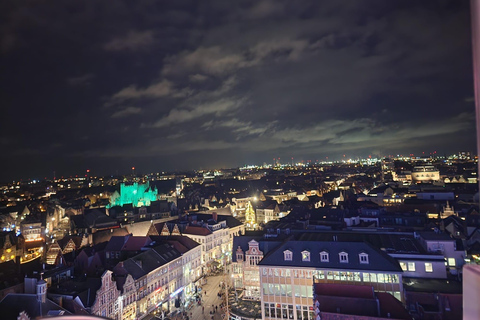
(189, 85)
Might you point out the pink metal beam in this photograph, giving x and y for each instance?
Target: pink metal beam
(475, 12)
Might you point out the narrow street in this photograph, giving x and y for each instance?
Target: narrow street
(209, 298)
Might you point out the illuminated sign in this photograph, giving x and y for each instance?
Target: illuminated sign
(176, 292)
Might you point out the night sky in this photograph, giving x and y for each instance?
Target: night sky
(172, 85)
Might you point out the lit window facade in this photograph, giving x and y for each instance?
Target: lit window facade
(287, 292)
(305, 256)
(428, 267)
(411, 266)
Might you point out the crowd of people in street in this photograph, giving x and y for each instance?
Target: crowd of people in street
(203, 300)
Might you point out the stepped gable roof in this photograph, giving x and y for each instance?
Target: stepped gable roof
(265, 245)
(377, 259)
(77, 240)
(159, 227)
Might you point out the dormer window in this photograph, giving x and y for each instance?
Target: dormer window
(305, 255)
(343, 257)
(363, 257)
(287, 255)
(324, 256)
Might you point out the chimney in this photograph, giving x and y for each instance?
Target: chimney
(214, 216)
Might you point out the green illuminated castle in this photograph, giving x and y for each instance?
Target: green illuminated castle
(136, 194)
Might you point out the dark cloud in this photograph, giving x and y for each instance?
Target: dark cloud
(182, 84)
(82, 80)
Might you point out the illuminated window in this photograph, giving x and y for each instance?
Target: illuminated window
(323, 256)
(343, 257)
(428, 267)
(451, 262)
(305, 256)
(403, 265)
(411, 266)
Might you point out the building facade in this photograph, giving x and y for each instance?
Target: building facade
(287, 274)
(135, 193)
